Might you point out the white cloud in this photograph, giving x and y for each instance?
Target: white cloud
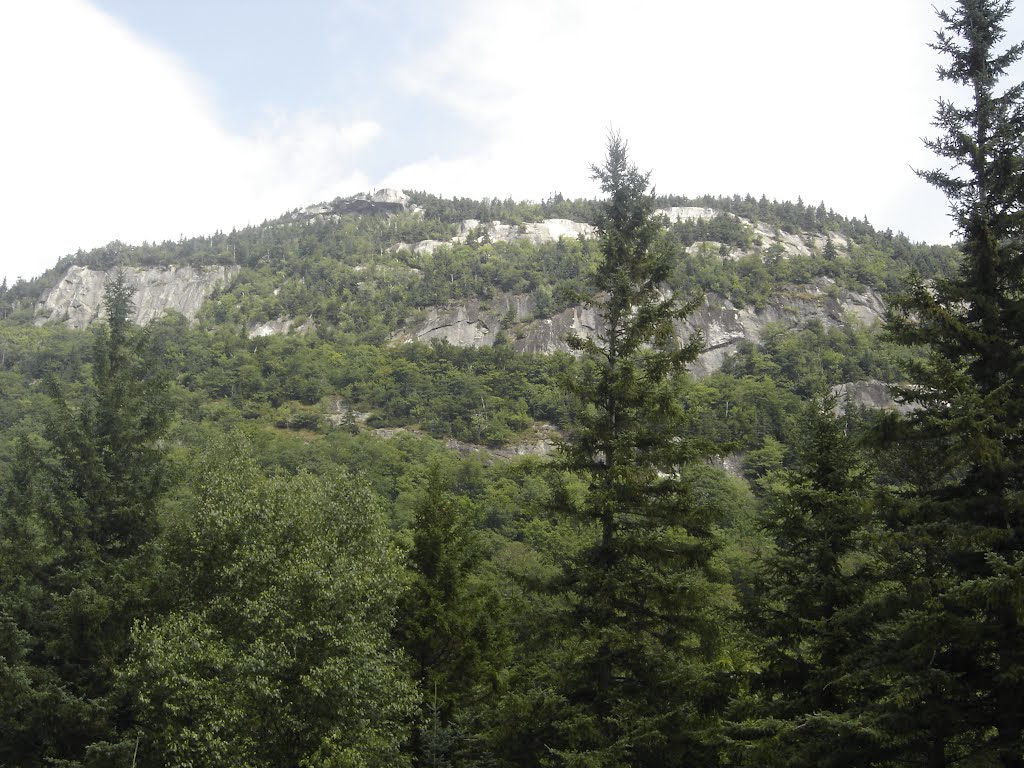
(797, 97)
(105, 137)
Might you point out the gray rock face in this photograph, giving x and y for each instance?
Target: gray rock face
(549, 334)
(685, 213)
(537, 233)
(723, 324)
(391, 197)
(473, 324)
(547, 231)
(383, 201)
(510, 316)
(540, 443)
(872, 394)
(279, 327)
(77, 300)
(270, 328)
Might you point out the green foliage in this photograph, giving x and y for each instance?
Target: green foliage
(78, 519)
(450, 626)
(275, 650)
(638, 677)
(954, 640)
(575, 612)
(807, 603)
(723, 228)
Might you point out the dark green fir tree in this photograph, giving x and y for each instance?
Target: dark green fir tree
(955, 640)
(77, 521)
(638, 678)
(807, 608)
(450, 626)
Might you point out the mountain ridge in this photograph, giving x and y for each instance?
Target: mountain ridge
(528, 321)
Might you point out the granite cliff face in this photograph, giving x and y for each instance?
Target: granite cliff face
(384, 201)
(513, 319)
(539, 232)
(77, 300)
(723, 324)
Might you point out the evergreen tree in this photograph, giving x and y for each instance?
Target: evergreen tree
(830, 253)
(638, 675)
(79, 515)
(807, 606)
(957, 687)
(449, 625)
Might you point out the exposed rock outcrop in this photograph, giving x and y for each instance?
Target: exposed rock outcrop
(723, 324)
(540, 232)
(386, 201)
(472, 324)
(547, 231)
(540, 443)
(380, 201)
(537, 233)
(278, 327)
(77, 300)
(872, 394)
(686, 213)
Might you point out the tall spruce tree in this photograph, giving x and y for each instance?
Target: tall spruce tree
(956, 642)
(75, 527)
(638, 682)
(807, 606)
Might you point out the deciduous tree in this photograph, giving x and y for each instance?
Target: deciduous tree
(276, 650)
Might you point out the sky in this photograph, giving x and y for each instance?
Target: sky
(148, 120)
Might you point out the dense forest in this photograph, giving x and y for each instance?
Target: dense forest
(324, 547)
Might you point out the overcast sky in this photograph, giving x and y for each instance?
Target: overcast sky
(151, 119)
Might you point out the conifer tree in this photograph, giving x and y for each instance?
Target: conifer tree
(449, 625)
(807, 606)
(78, 517)
(637, 682)
(956, 681)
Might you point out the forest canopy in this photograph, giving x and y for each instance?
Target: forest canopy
(338, 546)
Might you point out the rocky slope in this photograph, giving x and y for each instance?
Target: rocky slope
(871, 394)
(507, 318)
(537, 233)
(77, 300)
(381, 201)
(510, 319)
(513, 319)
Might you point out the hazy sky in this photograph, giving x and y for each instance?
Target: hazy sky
(151, 119)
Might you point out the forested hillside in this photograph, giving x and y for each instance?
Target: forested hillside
(416, 481)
